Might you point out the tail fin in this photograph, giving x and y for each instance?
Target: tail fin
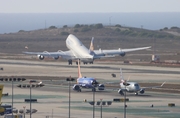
(1, 91)
(79, 70)
(121, 76)
(91, 48)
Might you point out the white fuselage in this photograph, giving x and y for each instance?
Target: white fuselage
(77, 48)
(130, 87)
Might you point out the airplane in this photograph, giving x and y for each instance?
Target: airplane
(86, 82)
(4, 109)
(132, 87)
(78, 51)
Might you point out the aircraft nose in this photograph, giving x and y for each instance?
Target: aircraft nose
(94, 82)
(137, 87)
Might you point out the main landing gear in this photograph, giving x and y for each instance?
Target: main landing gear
(70, 62)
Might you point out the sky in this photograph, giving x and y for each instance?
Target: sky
(97, 6)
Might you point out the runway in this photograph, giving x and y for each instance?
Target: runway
(53, 98)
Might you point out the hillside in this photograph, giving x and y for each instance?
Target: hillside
(163, 42)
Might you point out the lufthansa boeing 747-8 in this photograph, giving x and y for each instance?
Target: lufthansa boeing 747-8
(78, 51)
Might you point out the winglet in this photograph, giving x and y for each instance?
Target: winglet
(128, 78)
(79, 70)
(40, 83)
(91, 48)
(121, 76)
(163, 83)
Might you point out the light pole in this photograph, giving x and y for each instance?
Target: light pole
(12, 80)
(52, 113)
(12, 94)
(69, 81)
(94, 89)
(101, 108)
(125, 101)
(30, 99)
(101, 104)
(93, 103)
(24, 110)
(30, 86)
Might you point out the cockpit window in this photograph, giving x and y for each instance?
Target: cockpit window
(70, 41)
(126, 84)
(94, 82)
(136, 85)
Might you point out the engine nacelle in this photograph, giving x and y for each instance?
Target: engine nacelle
(55, 58)
(41, 57)
(123, 54)
(120, 92)
(101, 87)
(141, 91)
(77, 88)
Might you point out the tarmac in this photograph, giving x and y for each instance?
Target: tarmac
(53, 98)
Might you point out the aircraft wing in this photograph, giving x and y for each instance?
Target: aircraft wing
(63, 54)
(154, 86)
(117, 52)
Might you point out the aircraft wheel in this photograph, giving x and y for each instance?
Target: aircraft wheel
(91, 62)
(77, 63)
(136, 93)
(70, 62)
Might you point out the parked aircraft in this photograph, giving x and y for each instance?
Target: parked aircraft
(132, 87)
(4, 109)
(78, 51)
(86, 82)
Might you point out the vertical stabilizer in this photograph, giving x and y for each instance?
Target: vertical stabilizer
(91, 48)
(1, 91)
(79, 70)
(121, 76)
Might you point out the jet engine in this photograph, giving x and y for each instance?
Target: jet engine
(120, 92)
(141, 91)
(41, 57)
(123, 54)
(101, 87)
(77, 88)
(55, 58)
